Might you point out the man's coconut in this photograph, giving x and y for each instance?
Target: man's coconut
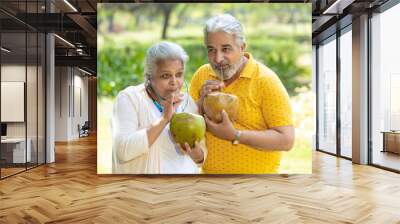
(215, 102)
(187, 127)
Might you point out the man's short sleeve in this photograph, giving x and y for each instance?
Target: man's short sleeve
(275, 102)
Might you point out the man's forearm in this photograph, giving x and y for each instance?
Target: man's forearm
(269, 140)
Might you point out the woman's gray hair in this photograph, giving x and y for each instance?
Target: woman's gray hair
(162, 51)
(225, 23)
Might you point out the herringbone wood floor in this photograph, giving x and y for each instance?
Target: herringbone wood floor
(70, 191)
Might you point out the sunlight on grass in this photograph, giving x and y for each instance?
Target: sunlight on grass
(104, 136)
(299, 159)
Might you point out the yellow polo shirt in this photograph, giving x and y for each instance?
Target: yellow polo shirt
(263, 103)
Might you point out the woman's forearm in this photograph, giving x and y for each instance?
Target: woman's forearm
(269, 140)
(155, 130)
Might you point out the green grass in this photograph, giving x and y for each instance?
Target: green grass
(299, 159)
(104, 136)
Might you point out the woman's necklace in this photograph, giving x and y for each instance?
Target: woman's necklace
(159, 107)
(157, 104)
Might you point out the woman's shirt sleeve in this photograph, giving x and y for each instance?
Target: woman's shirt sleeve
(129, 141)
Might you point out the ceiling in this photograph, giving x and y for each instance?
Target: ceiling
(328, 16)
(74, 22)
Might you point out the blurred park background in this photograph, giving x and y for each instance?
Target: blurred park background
(278, 35)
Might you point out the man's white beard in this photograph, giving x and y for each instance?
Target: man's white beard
(229, 72)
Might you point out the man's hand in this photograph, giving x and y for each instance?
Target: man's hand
(208, 87)
(224, 130)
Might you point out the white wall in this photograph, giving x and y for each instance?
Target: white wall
(80, 110)
(12, 101)
(71, 94)
(33, 126)
(16, 73)
(61, 103)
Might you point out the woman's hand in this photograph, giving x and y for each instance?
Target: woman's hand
(195, 153)
(170, 105)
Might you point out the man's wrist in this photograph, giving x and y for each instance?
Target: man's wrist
(233, 135)
(236, 139)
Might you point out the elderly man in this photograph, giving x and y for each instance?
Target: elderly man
(264, 128)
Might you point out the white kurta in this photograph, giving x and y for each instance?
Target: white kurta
(134, 112)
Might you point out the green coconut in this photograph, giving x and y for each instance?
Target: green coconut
(187, 127)
(215, 102)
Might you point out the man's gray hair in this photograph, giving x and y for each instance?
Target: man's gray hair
(162, 51)
(225, 23)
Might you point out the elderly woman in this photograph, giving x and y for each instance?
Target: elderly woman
(142, 143)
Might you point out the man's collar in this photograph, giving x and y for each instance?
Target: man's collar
(247, 71)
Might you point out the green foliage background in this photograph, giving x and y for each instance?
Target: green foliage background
(275, 36)
(121, 66)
